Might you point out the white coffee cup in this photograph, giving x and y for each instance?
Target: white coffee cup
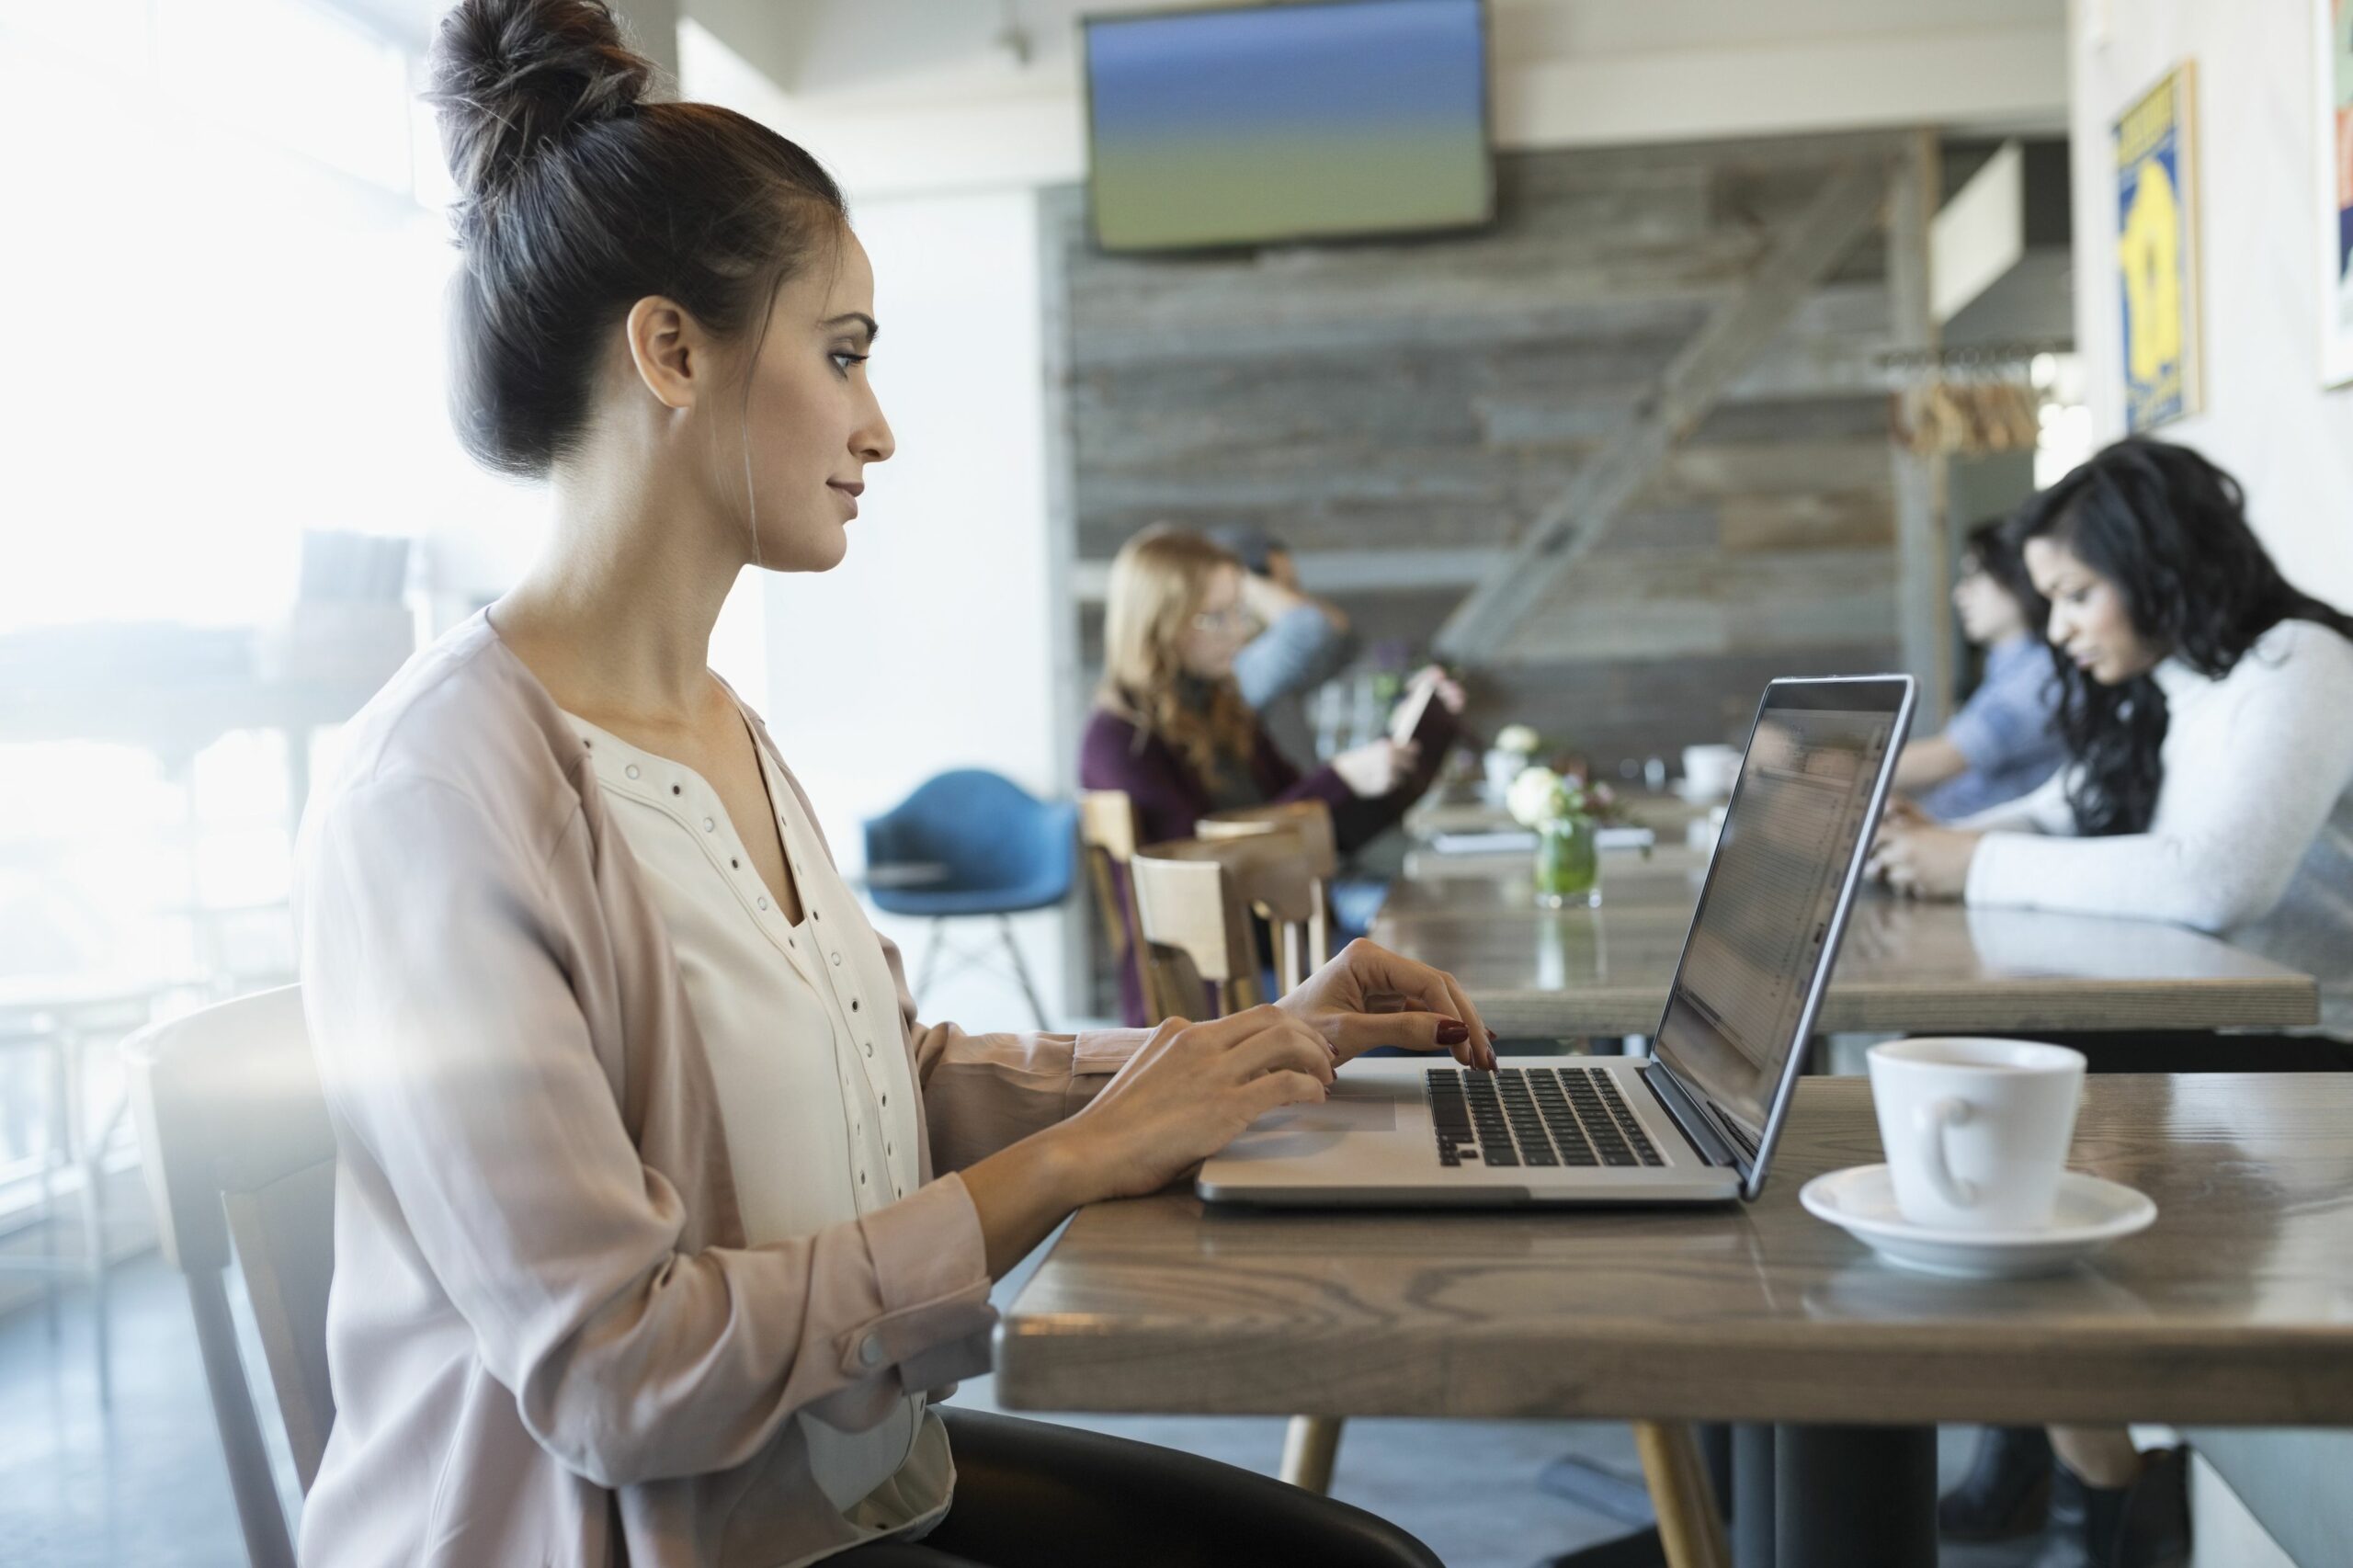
(1976, 1130)
(1708, 771)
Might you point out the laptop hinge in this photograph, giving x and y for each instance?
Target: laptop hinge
(1686, 1114)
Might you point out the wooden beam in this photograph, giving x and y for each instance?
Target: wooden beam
(1923, 551)
(1797, 259)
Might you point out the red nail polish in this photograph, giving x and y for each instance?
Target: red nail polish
(1493, 1037)
(1453, 1031)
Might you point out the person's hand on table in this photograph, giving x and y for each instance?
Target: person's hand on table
(1188, 1092)
(1369, 996)
(1916, 856)
(1373, 769)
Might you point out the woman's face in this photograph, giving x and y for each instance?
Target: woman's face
(1218, 628)
(1988, 613)
(813, 422)
(2089, 623)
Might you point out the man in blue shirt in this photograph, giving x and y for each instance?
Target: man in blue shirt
(1304, 641)
(2005, 741)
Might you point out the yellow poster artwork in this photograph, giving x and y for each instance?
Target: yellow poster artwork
(2156, 254)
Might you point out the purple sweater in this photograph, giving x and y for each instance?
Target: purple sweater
(1169, 800)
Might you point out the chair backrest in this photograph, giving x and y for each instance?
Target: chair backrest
(1106, 834)
(1195, 899)
(986, 831)
(1296, 898)
(240, 1166)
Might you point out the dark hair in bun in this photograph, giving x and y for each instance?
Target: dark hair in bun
(579, 197)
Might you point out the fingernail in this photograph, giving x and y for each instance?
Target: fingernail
(1493, 1037)
(1454, 1031)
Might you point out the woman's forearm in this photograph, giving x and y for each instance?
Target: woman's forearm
(1927, 763)
(1024, 1190)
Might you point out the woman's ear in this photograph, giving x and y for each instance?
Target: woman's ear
(669, 350)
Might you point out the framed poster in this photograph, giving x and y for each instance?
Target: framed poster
(2157, 252)
(2333, 149)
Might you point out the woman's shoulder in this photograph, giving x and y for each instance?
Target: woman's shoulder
(2303, 652)
(464, 718)
(1110, 748)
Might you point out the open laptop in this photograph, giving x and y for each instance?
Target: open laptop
(1695, 1122)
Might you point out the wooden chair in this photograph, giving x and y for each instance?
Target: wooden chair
(1195, 899)
(238, 1150)
(1307, 826)
(1106, 836)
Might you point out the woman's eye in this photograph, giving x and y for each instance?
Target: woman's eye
(843, 359)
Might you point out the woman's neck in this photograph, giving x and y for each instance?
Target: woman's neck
(616, 617)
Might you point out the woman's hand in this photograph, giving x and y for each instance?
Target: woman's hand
(1448, 689)
(1370, 996)
(1188, 1093)
(1373, 769)
(1914, 856)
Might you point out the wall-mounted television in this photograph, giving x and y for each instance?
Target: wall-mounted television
(1309, 121)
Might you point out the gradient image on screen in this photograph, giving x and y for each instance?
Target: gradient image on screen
(1227, 127)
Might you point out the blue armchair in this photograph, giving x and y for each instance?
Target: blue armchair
(972, 843)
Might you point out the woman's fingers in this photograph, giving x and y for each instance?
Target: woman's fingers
(1272, 1091)
(1292, 1048)
(1375, 968)
(1356, 1033)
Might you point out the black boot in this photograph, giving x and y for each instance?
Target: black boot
(2007, 1492)
(2145, 1525)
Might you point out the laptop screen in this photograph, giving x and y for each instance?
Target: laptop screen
(1769, 911)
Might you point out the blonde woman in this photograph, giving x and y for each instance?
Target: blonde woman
(1170, 727)
(660, 1221)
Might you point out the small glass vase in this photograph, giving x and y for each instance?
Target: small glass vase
(1568, 866)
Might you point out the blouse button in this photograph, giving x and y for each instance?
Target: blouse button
(838, 960)
(869, 1048)
(861, 1179)
(709, 826)
(632, 771)
(870, 1352)
(764, 904)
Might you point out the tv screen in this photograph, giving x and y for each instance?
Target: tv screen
(1235, 127)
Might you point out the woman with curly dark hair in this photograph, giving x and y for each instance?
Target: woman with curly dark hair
(2208, 707)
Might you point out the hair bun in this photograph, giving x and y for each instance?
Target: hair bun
(512, 77)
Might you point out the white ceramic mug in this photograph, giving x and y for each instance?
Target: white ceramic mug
(1976, 1130)
(1708, 771)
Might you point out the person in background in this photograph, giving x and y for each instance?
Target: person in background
(2204, 703)
(1170, 727)
(1302, 643)
(2005, 741)
(660, 1221)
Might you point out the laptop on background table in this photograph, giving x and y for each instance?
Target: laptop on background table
(1696, 1121)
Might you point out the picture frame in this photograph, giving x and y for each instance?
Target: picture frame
(2333, 184)
(2155, 144)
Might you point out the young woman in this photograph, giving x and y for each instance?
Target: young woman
(2204, 703)
(645, 1249)
(1171, 730)
(2005, 741)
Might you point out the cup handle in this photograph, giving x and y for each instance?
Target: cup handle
(1930, 1121)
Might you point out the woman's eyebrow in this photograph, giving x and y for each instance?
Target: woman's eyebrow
(858, 318)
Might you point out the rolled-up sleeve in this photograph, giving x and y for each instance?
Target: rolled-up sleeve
(439, 980)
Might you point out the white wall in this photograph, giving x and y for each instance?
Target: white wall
(939, 626)
(2267, 419)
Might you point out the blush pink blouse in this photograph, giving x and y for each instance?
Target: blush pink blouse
(549, 1338)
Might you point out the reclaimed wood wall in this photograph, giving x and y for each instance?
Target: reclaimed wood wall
(1381, 406)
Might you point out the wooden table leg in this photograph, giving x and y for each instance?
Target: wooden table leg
(1311, 1448)
(1689, 1528)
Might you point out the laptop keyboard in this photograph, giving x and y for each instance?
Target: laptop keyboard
(1535, 1116)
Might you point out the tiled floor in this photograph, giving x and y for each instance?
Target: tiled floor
(142, 1484)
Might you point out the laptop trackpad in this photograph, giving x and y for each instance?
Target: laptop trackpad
(1348, 1108)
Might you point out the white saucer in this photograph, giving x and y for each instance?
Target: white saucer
(2089, 1214)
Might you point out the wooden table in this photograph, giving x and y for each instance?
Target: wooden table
(1904, 966)
(2236, 1307)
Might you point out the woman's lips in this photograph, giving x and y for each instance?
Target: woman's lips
(849, 493)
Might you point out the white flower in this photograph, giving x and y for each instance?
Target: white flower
(1535, 797)
(1518, 738)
